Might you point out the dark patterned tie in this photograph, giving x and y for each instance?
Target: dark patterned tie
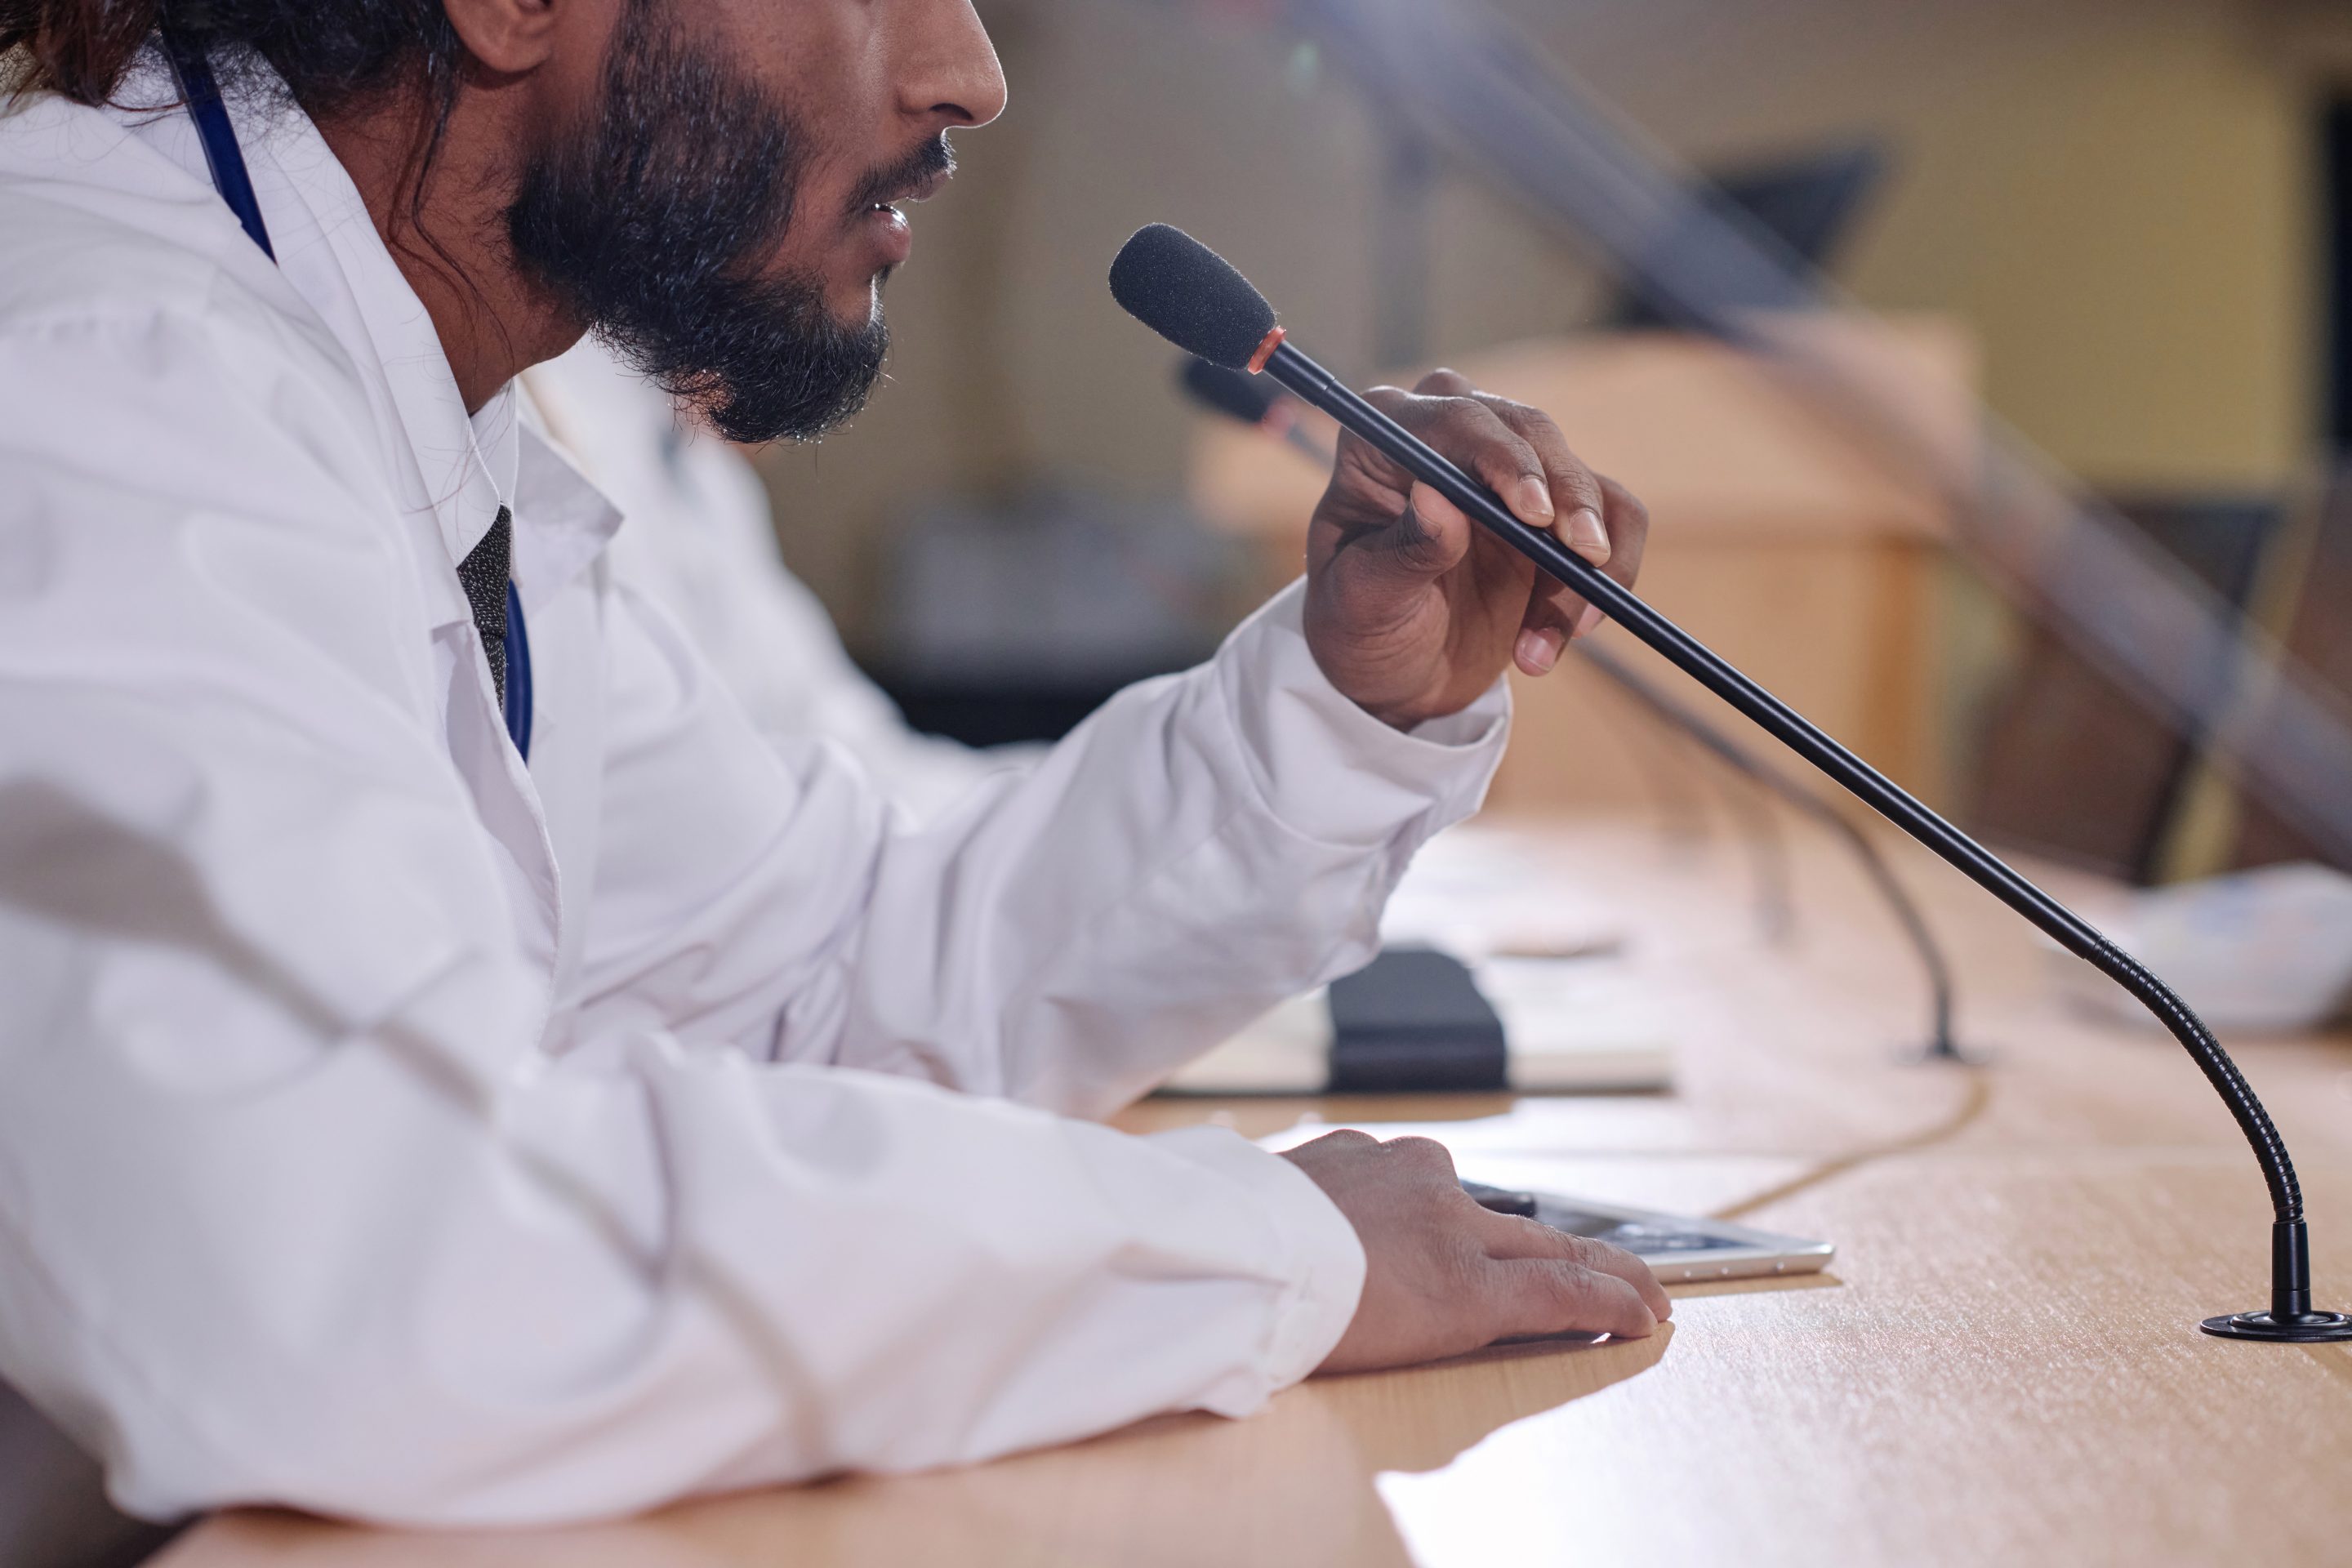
(483, 573)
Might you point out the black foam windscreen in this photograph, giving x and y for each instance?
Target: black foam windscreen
(1191, 296)
(1248, 399)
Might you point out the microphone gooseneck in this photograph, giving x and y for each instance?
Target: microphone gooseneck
(1160, 266)
(1246, 398)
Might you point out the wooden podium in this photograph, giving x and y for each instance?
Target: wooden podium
(1775, 538)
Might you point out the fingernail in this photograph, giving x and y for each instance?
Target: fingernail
(1534, 501)
(1586, 619)
(1539, 650)
(1586, 537)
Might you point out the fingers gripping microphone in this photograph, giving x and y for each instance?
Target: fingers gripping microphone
(1193, 297)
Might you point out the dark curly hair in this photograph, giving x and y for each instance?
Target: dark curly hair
(331, 54)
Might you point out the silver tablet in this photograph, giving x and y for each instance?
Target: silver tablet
(1677, 1247)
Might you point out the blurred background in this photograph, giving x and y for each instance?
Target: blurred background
(2095, 257)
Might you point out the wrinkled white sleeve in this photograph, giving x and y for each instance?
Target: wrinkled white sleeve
(293, 1205)
(1206, 845)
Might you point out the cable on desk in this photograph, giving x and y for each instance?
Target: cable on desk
(1713, 743)
(1973, 1101)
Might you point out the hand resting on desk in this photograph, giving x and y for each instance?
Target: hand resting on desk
(1443, 1276)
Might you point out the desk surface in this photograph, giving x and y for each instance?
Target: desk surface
(2001, 1366)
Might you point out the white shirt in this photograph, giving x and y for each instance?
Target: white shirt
(701, 545)
(392, 1130)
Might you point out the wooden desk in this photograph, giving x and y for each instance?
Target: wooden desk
(2001, 1366)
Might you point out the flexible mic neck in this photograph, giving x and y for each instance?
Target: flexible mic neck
(2290, 1317)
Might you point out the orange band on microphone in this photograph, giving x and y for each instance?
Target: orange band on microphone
(1266, 350)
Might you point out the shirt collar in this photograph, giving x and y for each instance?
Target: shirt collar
(571, 519)
(497, 441)
(463, 468)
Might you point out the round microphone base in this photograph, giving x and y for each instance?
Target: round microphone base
(2305, 1329)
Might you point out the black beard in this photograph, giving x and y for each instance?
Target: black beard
(651, 223)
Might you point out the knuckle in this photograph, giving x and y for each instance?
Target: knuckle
(1570, 1286)
(1459, 413)
(1519, 415)
(1538, 1237)
(1424, 1152)
(1586, 1252)
(1630, 1261)
(1539, 427)
(1601, 1255)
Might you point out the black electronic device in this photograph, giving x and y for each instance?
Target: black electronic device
(1800, 208)
(1413, 1021)
(1195, 298)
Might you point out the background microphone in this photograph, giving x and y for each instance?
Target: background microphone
(1251, 401)
(1232, 392)
(1193, 297)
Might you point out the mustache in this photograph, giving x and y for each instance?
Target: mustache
(931, 159)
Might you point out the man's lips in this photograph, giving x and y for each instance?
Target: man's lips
(874, 211)
(920, 189)
(894, 240)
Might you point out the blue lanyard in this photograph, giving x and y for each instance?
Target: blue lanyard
(226, 160)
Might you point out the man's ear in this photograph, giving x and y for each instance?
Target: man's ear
(508, 36)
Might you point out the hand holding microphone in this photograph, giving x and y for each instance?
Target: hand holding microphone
(1411, 610)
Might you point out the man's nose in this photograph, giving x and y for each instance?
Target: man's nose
(950, 73)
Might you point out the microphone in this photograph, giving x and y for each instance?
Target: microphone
(1231, 392)
(1242, 396)
(1251, 401)
(1193, 297)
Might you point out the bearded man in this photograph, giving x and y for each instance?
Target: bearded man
(452, 1069)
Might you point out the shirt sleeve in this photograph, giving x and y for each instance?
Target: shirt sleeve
(1205, 846)
(302, 1198)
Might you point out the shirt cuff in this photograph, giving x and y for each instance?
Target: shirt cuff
(1326, 1258)
(1301, 735)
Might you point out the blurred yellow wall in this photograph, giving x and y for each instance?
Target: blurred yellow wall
(2118, 194)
